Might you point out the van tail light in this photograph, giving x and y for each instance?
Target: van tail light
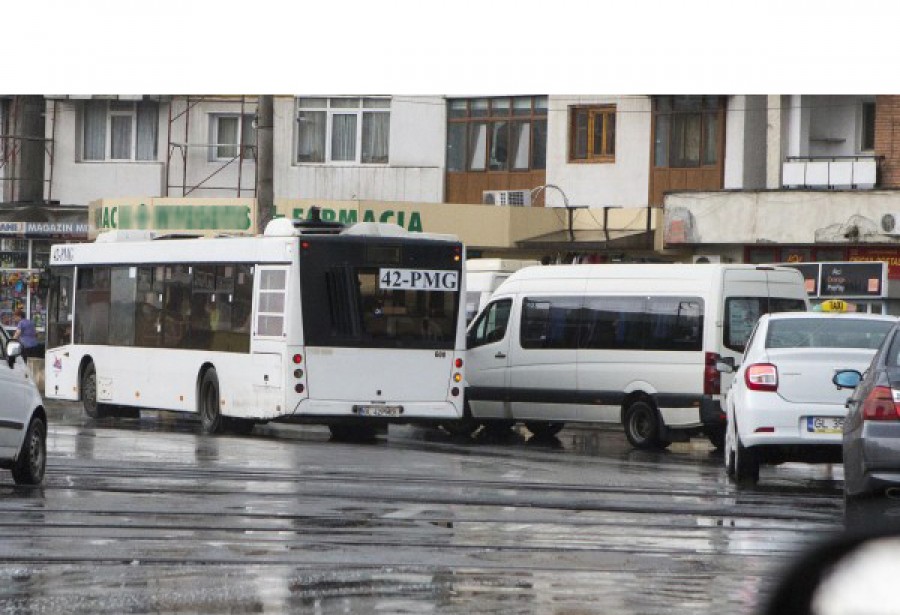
(881, 405)
(712, 379)
(761, 377)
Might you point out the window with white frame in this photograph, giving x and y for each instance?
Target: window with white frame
(120, 130)
(228, 132)
(343, 130)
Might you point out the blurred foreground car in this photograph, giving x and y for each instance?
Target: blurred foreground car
(23, 423)
(782, 405)
(872, 431)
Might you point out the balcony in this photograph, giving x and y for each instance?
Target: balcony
(830, 172)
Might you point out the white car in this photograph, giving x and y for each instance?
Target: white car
(23, 422)
(782, 405)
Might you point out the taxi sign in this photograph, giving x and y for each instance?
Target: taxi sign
(835, 305)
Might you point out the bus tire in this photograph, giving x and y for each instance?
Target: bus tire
(208, 402)
(497, 428)
(89, 391)
(544, 429)
(461, 428)
(32, 461)
(641, 422)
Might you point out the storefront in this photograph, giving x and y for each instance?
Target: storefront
(864, 286)
(26, 234)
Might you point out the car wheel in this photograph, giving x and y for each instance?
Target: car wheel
(729, 449)
(746, 463)
(32, 460)
(641, 423)
(544, 429)
(211, 420)
(89, 391)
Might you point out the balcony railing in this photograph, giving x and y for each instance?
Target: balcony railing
(830, 172)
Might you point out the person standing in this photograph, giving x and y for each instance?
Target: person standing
(26, 334)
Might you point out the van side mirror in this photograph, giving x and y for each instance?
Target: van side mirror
(846, 379)
(13, 350)
(725, 364)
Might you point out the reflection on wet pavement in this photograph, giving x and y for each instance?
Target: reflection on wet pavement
(147, 515)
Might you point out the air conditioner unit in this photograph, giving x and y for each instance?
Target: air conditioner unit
(706, 258)
(890, 223)
(509, 198)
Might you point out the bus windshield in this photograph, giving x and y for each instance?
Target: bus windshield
(372, 294)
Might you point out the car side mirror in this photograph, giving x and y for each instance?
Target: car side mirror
(13, 350)
(725, 364)
(846, 379)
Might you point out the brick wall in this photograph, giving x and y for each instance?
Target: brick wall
(887, 140)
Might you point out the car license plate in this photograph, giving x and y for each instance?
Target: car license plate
(825, 424)
(378, 410)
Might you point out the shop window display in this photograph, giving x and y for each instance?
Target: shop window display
(22, 281)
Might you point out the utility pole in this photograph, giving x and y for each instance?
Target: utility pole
(265, 191)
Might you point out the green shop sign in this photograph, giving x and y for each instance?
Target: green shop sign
(410, 220)
(174, 217)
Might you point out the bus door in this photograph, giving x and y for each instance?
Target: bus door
(269, 334)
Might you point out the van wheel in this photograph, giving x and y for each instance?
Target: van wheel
(89, 391)
(211, 420)
(544, 429)
(641, 423)
(32, 460)
(746, 463)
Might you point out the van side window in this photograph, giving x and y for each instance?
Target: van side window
(491, 325)
(615, 323)
(741, 314)
(643, 323)
(552, 322)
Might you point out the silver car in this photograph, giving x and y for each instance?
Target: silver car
(871, 438)
(23, 422)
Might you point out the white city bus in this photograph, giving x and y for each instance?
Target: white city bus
(351, 327)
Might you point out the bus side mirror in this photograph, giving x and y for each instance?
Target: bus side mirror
(13, 350)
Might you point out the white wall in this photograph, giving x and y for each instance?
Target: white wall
(624, 182)
(745, 142)
(415, 171)
(78, 183)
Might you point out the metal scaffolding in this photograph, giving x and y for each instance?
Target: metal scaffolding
(12, 160)
(180, 149)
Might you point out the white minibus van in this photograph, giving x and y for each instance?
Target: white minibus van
(484, 275)
(632, 344)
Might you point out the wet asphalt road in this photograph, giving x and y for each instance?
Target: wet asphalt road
(148, 516)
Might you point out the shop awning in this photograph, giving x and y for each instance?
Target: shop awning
(591, 240)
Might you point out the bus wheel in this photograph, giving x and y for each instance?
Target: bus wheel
(89, 391)
(211, 419)
(543, 429)
(641, 423)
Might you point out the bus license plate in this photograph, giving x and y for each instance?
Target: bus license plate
(824, 424)
(378, 410)
(418, 279)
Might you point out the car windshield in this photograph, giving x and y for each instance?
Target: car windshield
(827, 333)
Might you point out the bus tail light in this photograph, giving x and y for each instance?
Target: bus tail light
(298, 359)
(299, 388)
(881, 405)
(761, 377)
(712, 379)
(454, 391)
(458, 363)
